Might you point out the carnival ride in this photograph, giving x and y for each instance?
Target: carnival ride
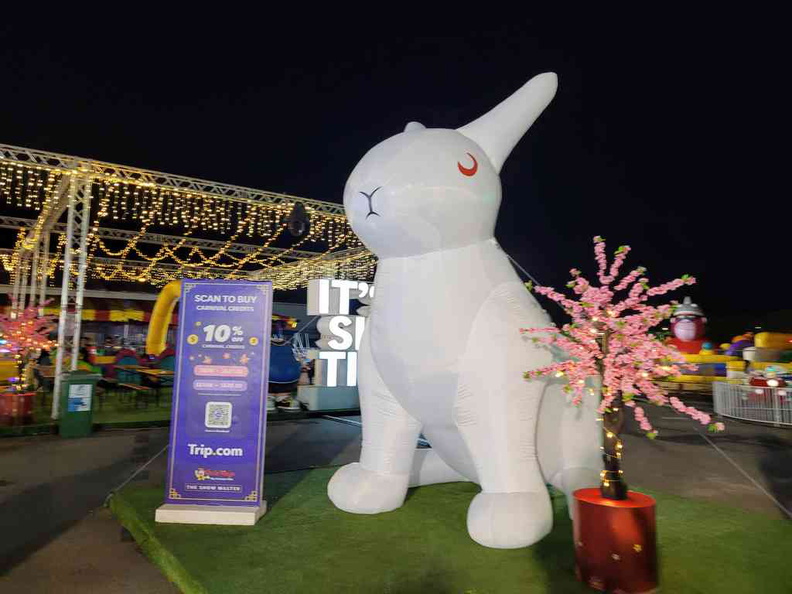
(748, 377)
(763, 360)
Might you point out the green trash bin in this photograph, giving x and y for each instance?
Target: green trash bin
(78, 393)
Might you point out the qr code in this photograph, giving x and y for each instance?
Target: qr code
(218, 415)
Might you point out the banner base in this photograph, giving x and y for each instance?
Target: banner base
(221, 515)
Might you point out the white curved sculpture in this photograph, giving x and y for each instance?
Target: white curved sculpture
(442, 353)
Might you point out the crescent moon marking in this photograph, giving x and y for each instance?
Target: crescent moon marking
(469, 171)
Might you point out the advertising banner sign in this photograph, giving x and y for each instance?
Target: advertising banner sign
(219, 400)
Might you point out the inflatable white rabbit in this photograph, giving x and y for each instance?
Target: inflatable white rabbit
(442, 354)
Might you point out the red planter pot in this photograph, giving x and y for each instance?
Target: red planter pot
(16, 408)
(615, 542)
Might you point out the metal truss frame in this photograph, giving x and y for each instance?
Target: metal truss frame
(72, 290)
(74, 196)
(228, 192)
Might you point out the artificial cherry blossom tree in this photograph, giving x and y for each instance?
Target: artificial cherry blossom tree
(26, 334)
(609, 339)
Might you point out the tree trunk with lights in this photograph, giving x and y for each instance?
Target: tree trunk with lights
(612, 486)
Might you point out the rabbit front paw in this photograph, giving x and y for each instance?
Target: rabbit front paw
(357, 490)
(509, 520)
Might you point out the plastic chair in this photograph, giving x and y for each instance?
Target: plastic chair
(165, 361)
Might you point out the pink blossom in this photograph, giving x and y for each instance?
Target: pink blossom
(621, 254)
(634, 359)
(601, 258)
(27, 332)
(630, 278)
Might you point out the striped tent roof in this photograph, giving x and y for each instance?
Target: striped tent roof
(103, 310)
(121, 310)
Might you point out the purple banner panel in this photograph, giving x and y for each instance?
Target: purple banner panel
(220, 393)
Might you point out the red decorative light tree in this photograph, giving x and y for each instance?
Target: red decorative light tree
(609, 339)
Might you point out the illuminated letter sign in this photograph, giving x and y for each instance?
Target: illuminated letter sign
(341, 333)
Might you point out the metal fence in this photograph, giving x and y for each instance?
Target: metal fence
(752, 403)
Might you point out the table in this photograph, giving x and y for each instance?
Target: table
(157, 375)
(157, 372)
(131, 367)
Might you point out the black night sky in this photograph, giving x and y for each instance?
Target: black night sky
(657, 137)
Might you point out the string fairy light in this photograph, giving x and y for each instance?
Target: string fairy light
(34, 186)
(38, 186)
(294, 275)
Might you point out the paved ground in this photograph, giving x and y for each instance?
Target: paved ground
(88, 557)
(49, 484)
(57, 538)
(684, 463)
(54, 530)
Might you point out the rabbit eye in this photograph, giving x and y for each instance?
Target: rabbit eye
(469, 171)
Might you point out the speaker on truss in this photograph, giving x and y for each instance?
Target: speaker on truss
(297, 220)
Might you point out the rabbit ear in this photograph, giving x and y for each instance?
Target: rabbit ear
(499, 130)
(414, 126)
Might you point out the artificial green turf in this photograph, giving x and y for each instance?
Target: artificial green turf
(304, 544)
